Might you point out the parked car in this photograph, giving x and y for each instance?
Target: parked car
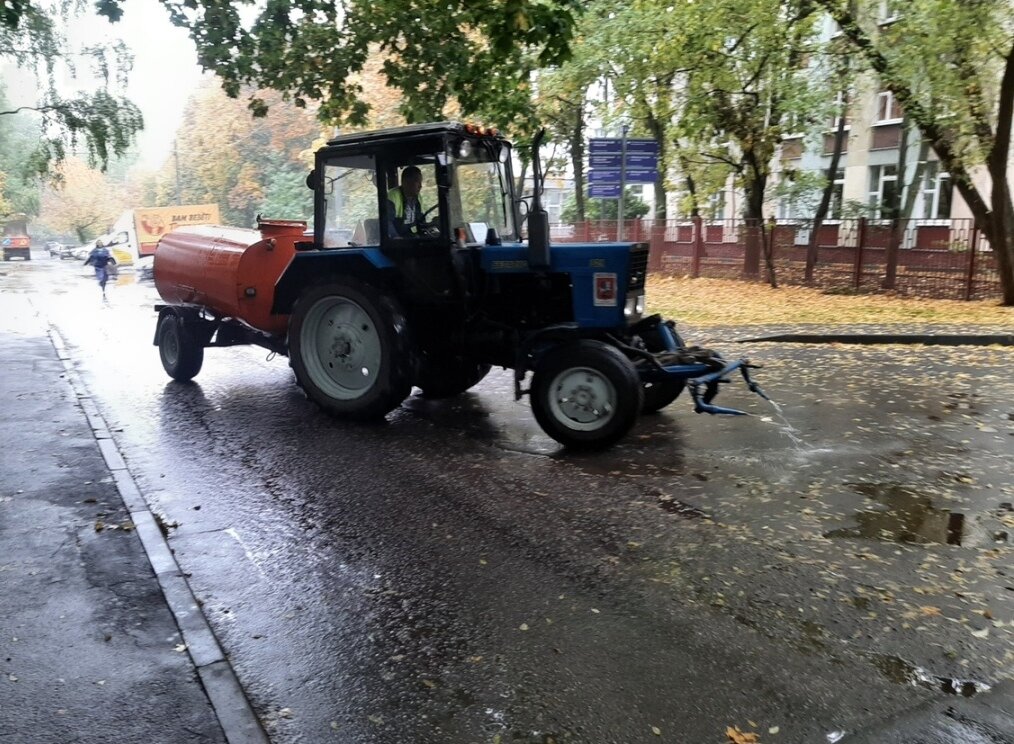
(81, 252)
(60, 250)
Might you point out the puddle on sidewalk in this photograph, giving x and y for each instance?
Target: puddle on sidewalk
(909, 517)
(901, 672)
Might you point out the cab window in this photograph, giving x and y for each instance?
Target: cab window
(352, 216)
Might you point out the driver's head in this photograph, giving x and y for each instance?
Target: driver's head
(411, 181)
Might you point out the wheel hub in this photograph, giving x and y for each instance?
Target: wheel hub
(583, 399)
(345, 349)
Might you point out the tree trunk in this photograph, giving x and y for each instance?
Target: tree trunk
(577, 159)
(920, 172)
(891, 257)
(825, 198)
(755, 185)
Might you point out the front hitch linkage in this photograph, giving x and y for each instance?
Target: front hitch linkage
(710, 382)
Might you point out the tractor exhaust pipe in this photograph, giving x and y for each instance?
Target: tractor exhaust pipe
(538, 219)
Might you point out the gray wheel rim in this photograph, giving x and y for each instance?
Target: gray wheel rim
(582, 399)
(171, 344)
(341, 348)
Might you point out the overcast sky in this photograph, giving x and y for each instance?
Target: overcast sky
(165, 71)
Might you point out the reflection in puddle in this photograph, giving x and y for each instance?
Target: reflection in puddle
(901, 672)
(910, 517)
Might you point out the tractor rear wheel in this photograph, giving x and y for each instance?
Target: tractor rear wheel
(586, 394)
(350, 349)
(450, 377)
(181, 352)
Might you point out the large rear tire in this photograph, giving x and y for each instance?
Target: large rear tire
(350, 349)
(586, 395)
(181, 352)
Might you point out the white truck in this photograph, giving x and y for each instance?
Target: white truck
(137, 231)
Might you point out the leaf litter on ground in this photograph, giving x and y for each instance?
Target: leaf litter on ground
(706, 302)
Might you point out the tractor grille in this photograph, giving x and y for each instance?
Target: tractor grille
(638, 265)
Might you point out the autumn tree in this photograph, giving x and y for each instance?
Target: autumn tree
(248, 166)
(97, 115)
(950, 64)
(83, 201)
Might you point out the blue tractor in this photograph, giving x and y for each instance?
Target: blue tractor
(382, 300)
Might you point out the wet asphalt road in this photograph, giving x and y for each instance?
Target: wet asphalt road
(451, 576)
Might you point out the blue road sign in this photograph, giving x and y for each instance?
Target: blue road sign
(641, 175)
(614, 145)
(604, 191)
(633, 175)
(610, 160)
(604, 175)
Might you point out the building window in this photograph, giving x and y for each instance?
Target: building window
(840, 106)
(837, 195)
(888, 11)
(554, 204)
(884, 190)
(937, 190)
(888, 110)
(715, 208)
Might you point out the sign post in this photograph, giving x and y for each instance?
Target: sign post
(616, 162)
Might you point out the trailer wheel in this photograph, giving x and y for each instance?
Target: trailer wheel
(447, 378)
(586, 394)
(350, 349)
(182, 354)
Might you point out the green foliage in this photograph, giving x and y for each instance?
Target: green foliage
(475, 54)
(604, 209)
(18, 190)
(100, 118)
(287, 197)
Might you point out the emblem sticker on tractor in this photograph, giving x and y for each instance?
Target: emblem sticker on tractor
(605, 290)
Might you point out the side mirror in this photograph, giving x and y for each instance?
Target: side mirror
(311, 181)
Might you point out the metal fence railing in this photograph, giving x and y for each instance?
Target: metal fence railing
(927, 258)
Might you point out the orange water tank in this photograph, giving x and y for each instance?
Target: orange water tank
(229, 270)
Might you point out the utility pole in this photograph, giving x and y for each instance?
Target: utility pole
(176, 157)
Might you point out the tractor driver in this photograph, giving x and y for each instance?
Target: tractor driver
(406, 218)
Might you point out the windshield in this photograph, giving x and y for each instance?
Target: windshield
(480, 198)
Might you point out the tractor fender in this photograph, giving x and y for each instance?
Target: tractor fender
(366, 264)
(531, 349)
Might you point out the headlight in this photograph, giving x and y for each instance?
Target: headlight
(634, 307)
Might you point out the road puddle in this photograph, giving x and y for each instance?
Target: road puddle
(908, 517)
(901, 672)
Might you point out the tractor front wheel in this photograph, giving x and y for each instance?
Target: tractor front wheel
(350, 349)
(586, 394)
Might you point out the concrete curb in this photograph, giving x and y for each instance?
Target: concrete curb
(885, 338)
(239, 723)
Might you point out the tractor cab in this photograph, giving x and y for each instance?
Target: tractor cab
(413, 188)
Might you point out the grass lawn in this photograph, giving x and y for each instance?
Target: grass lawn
(705, 302)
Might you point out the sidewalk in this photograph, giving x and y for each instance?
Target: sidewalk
(89, 649)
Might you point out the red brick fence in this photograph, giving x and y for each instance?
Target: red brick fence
(926, 258)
